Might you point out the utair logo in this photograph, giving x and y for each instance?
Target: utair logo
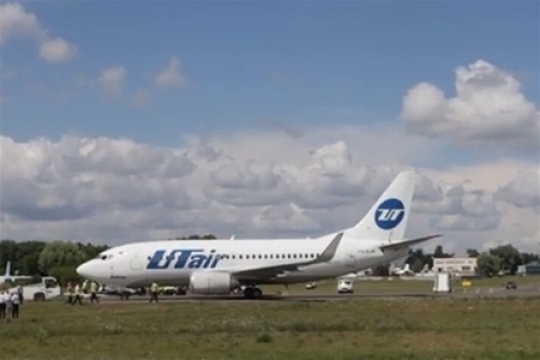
(184, 258)
(389, 214)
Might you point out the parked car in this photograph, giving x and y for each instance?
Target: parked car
(511, 285)
(345, 286)
(311, 285)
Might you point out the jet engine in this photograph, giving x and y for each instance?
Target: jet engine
(212, 283)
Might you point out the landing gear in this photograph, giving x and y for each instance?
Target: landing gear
(252, 293)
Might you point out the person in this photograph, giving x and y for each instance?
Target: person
(20, 291)
(78, 295)
(69, 289)
(93, 291)
(154, 292)
(3, 304)
(9, 304)
(15, 302)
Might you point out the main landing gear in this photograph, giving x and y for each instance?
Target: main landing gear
(252, 292)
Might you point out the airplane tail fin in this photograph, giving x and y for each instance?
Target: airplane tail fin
(407, 267)
(8, 269)
(387, 219)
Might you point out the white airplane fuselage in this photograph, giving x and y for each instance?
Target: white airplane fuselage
(173, 262)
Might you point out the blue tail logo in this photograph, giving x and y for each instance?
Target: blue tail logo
(389, 214)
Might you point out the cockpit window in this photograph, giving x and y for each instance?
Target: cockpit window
(104, 256)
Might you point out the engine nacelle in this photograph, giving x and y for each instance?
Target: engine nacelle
(212, 283)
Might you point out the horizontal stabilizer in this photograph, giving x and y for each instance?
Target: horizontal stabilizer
(406, 243)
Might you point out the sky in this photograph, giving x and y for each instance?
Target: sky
(127, 120)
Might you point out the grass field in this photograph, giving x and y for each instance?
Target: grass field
(395, 285)
(347, 329)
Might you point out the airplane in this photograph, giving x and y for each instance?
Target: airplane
(405, 271)
(218, 267)
(8, 279)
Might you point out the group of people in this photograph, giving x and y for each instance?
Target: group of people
(10, 301)
(75, 292)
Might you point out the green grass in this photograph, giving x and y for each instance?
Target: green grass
(347, 329)
(395, 285)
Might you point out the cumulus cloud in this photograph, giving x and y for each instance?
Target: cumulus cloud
(171, 76)
(488, 107)
(57, 50)
(112, 80)
(15, 21)
(523, 191)
(141, 98)
(117, 190)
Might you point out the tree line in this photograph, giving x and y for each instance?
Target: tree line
(501, 259)
(60, 258)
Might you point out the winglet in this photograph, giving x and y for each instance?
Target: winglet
(8, 269)
(330, 250)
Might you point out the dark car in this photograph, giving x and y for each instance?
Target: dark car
(511, 285)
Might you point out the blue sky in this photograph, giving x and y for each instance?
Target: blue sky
(302, 63)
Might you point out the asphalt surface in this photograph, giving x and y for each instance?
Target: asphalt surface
(472, 293)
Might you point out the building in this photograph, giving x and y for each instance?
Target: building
(456, 266)
(529, 269)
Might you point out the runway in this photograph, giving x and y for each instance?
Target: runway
(478, 293)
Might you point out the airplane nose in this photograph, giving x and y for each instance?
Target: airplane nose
(83, 270)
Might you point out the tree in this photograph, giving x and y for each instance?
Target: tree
(196, 237)
(488, 265)
(60, 254)
(382, 270)
(440, 254)
(529, 258)
(90, 250)
(472, 253)
(417, 265)
(510, 257)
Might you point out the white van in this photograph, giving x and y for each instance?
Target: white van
(345, 286)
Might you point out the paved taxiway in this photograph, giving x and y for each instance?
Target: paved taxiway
(472, 293)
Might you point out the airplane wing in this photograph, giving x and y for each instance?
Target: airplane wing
(273, 271)
(406, 243)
